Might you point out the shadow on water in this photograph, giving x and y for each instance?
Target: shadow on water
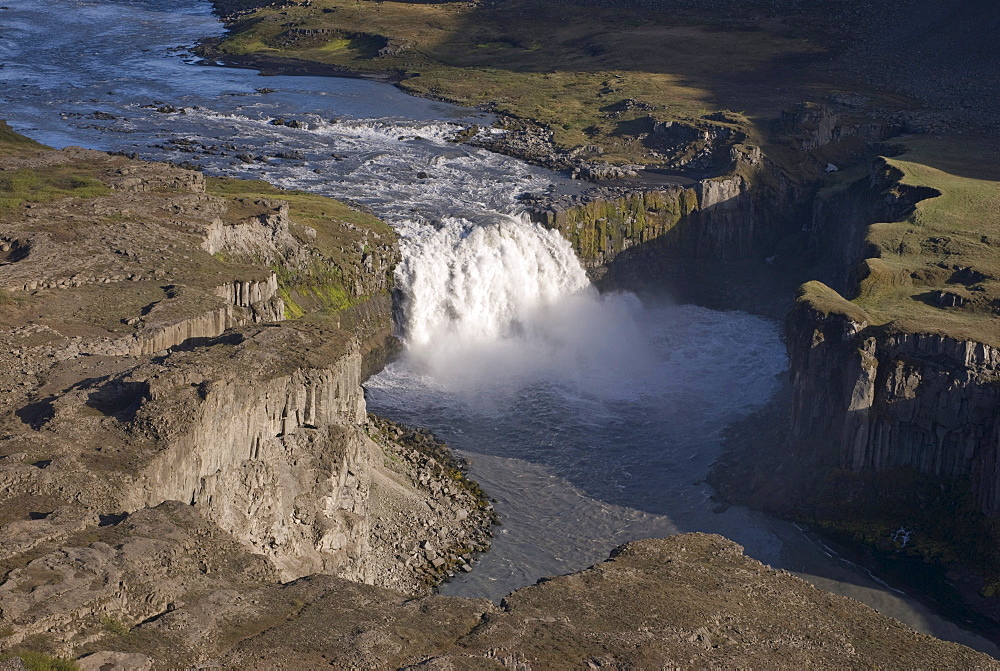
(608, 427)
(621, 438)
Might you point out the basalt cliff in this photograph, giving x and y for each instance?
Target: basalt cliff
(190, 477)
(148, 361)
(883, 269)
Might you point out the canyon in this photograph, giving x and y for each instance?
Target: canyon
(188, 464)
(191, 478)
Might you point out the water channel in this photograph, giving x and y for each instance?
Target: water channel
(591, 419)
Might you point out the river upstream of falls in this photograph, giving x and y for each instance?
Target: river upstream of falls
(591, 419)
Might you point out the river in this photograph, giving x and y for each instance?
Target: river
(591, 419)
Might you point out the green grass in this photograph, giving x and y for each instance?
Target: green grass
(325, 284)
(15, 144)
(114, 626)
(39, 661)
(927, 252)
(6, 298)
(48, 183)
(303, 207)
(827, 301)
(546, 62)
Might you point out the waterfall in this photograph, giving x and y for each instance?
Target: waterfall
(470, 284)
(493, 305)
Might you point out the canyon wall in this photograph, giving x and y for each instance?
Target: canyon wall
(711, 242)
(870, 399)
(171, 426)
(903, 395)
(713, 218)
(282, 463)
(744, 213)
(864, 398)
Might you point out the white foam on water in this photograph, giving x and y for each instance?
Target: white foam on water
(602, 412)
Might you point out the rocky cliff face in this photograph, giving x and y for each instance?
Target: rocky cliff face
(163, 421)
(744, 212)
(187, 477)
(869, 398)
(863, 398)
(840, 217)
(281, 463)
(872, 399)
(711, 219)
(711, 242)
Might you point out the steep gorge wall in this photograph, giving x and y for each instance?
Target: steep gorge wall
(871, 399)
(841, 214)
(715, 218)
(864, 398)
(242, 302)
(280, 464)
(743, 214)
(158, 396)
(711, 242)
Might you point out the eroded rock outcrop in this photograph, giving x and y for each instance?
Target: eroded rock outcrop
(841, 214)
(813, 126)
(689, 601)
(103, 580)
(872, 399)
(167, 431)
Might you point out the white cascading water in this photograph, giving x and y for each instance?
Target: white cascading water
(465, 283)
(494, 307)
(590, 418)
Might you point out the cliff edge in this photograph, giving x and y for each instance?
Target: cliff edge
(181, 371)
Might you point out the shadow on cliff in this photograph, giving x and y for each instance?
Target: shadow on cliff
(742, 253)
(915, 521)
(751, 283)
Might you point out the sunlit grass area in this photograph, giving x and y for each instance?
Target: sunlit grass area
(541, 61)
(14, 144)
(938, 271)
(39, 185)
(335, 230)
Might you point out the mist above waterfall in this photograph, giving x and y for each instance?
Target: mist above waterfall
(503, 304)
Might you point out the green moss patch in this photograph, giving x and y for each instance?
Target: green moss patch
(938, 270)
(39, 661)
(826, 301)
(15, 144)
(335, 230)
(40, 185)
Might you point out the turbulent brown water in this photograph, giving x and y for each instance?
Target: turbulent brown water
(591, 419)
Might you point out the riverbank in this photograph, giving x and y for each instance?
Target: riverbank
(189, 474)
(841, 180)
